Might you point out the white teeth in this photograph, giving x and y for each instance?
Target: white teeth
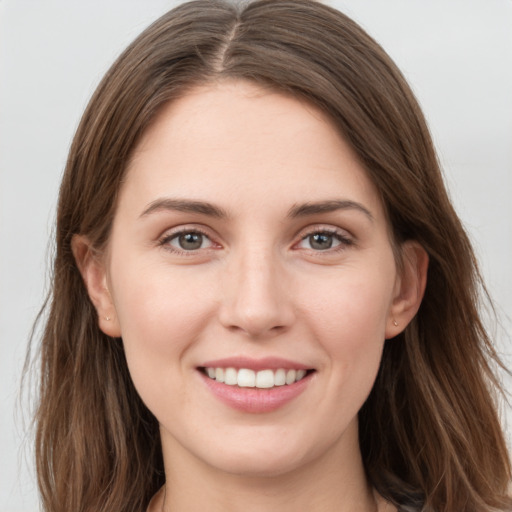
(280, 377)
(290, 376)
(300, 375)
(264, 379)
(246, 378)
(219, 374)
(230, 376)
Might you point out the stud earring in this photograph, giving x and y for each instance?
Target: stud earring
(395, 323)
(107, 318)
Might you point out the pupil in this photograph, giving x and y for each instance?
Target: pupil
(191, 241)
(321, 241)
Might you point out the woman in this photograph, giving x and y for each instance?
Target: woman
(241, 315)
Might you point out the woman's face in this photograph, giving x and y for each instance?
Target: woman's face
(250, 246)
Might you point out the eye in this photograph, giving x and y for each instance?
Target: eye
(188, 241)
(323, 241)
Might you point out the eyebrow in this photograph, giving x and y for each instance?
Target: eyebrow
(303, 210)
(184, 205)
(209, 209)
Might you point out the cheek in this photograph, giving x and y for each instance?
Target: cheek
(350, 324)
(161, 316)
(355, 307)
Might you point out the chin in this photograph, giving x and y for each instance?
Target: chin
(264, 457)
(257, 466)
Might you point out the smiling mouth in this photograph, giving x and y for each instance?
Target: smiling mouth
(262, 379)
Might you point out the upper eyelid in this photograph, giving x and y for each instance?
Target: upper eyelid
(187, 228)
(324, 228)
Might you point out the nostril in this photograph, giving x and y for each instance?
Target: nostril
(255, 325)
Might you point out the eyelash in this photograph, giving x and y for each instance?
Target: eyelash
(344, 240)
(164, 242)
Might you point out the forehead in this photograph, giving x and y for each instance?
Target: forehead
(225, 138)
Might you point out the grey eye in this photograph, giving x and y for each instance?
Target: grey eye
(321, 241)
(190, 241)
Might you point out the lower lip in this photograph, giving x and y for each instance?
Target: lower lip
(256, 400)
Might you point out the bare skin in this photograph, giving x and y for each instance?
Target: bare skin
(247, 228)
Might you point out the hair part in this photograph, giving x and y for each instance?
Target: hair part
(438, 445)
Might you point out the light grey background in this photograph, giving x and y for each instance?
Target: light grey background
(457, 54)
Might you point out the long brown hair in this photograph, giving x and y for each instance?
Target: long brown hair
(429, 432)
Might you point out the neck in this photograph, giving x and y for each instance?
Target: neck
(334, 481)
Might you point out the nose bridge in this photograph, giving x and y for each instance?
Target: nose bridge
(256, 301)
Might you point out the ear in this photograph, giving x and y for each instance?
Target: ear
(93, 269)
(409, 288)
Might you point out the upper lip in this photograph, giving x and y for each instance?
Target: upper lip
(266, 363)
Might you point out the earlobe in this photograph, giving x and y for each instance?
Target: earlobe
(409, 288)
(93, 271)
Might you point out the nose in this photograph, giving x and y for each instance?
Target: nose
(256, 298)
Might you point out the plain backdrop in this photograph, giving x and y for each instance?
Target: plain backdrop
(457, 55)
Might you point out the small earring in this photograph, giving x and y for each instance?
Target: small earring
(107, 318)
(395, 323)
